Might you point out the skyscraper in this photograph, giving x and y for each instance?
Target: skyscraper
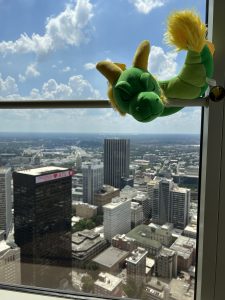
(179, 207)
(5, 200)
(160, 201)
(166, 263)
(116, 161)
(170, 204)
(117, 217)
(136, 266)
(92, 180)
(42, 211)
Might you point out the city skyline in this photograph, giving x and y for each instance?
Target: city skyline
(105, 237)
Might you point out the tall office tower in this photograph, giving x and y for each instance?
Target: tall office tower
(117, 217)
(42, 215)
(5, 200)
(116, 161)
(160, 203)
(136, 266)
(92, 180)
(78, 161)
(137, 216)
(9, 262)
(166, 264)
(150, 191)
(144, 201)
(170, 204)
(179, 207)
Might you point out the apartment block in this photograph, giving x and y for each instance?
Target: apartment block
(117, 217)
(166, 264)
(136, 266)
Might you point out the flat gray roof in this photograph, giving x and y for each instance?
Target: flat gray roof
(141, 234)
(42, 170)
(110, 257)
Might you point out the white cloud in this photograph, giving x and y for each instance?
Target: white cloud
(89, 66)
(7, 86)
(162, 64)
(67, 28)
(32, 71)
(21, 78)
(66, 69)
(100, 120)
(77, 88)
(146, 6)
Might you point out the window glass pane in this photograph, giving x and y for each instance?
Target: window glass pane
(91, 201)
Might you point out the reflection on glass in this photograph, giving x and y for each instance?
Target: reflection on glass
(108, 214)
(112, 212)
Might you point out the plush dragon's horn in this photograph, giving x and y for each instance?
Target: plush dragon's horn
(141, 56)
(110, 70)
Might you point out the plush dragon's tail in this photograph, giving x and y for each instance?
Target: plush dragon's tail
(186, 31)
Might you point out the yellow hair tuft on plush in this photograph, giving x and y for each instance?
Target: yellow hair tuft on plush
(113, 102)
(186, 31)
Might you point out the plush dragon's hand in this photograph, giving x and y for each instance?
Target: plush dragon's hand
(136, 92)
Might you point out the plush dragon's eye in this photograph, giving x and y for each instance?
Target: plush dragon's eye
(147, 82)
(124, 88)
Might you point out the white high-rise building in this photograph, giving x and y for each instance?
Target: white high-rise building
(5, 200)
(10, 272)
(117, 217)
(92, 180)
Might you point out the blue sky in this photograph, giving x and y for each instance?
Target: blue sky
(49, 48)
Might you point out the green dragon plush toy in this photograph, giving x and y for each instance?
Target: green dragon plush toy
(137, 92)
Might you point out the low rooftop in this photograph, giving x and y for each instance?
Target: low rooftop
(3, 247)
(141, 234)
(108, 281)
(106, 189)
(184, 246)
(42, 170)
(137, 255)
(110, 257)
(117, 201)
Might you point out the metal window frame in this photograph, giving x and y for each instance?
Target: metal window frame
(211, 226)
(211, 242)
